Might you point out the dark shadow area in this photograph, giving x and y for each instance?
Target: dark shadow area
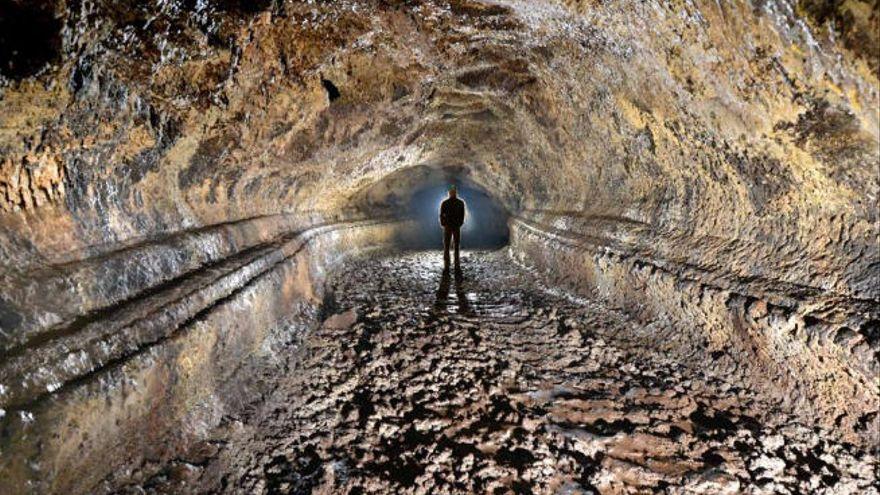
(443, 302)
(30, 37)
(243, 7)
(332, 91)
(485, 225)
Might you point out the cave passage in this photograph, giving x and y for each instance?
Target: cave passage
(485, 225)
(220, 252)
(491, 383)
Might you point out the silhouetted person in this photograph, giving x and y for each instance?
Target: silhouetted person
(451, 218)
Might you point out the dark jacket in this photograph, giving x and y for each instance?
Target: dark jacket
(452, 212)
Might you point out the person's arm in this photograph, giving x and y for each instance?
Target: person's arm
(443, 214)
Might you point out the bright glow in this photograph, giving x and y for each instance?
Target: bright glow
(485, 222)
(469, 222)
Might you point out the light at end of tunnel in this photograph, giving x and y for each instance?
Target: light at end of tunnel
(485, 225)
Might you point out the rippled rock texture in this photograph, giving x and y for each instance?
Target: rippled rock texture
(708, 168)
(485, 382)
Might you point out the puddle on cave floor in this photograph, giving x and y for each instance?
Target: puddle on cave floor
(488, 383)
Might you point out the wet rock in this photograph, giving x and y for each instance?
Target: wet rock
(427, 408)
(708, 168)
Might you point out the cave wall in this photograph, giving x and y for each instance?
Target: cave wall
(737, 120)
(149, 377)
(814, 351)
(711, 165)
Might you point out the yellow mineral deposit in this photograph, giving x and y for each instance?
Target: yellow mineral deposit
(221, 261)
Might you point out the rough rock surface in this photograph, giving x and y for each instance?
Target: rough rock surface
(708, 168)
(488, 383)
(739, 121)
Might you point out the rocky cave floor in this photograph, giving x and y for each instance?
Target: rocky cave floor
(490, 383)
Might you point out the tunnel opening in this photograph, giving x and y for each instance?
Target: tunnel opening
(485, 225)
(220, 274)
(414, 195)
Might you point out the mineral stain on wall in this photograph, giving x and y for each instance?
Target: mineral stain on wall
(179, 175)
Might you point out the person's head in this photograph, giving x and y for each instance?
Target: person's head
(452, 191)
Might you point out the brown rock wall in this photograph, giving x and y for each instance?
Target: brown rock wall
(726, 151)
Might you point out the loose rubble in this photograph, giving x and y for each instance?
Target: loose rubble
(484, 382)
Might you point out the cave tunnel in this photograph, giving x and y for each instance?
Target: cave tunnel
(418, 202)
(221, 269)
(485, 225)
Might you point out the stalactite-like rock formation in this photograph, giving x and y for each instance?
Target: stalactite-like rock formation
(177, 178)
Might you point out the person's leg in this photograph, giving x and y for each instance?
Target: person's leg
(456, 240)
(447, 234)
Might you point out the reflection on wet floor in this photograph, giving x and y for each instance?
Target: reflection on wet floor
(428, 382)
(457, 301)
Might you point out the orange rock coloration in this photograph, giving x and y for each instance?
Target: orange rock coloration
(178, 178)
